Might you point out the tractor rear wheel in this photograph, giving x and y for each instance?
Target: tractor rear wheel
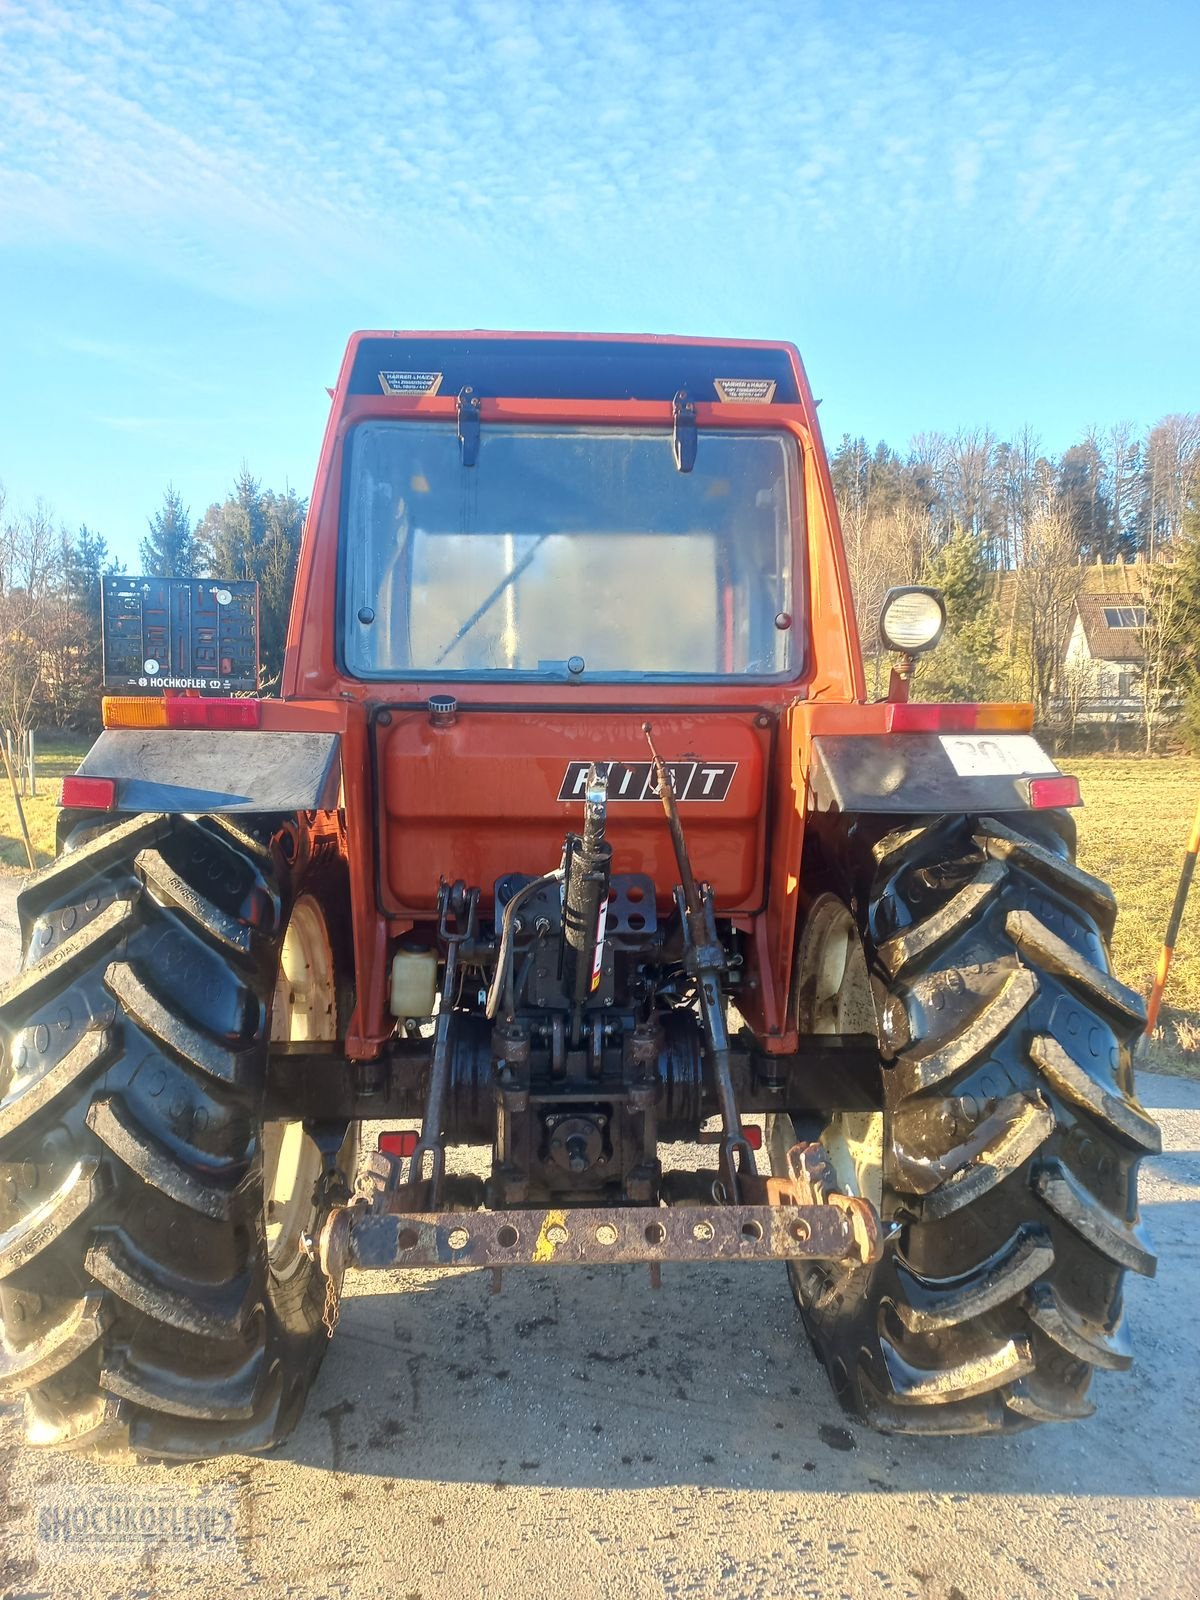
(153, 1293)
(1007, 1150)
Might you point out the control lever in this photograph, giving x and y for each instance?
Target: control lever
(704, 959)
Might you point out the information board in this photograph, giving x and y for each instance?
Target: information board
(180, 633)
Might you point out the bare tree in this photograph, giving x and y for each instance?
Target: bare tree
(970, 485)
(1171, 466)
(886, 528)
(1048, 583)
(1078, 682)
(36, 621)
(1017, 469)
(871, 567)
(1123, 458)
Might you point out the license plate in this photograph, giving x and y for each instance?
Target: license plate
(1014, 755)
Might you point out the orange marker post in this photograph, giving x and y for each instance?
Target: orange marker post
(1168, 950)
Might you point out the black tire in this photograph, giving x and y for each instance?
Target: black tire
(1012, 1137)
(138, 1305)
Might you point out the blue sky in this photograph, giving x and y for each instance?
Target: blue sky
(961, 213)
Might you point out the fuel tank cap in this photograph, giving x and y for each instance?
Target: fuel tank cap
(443, 710)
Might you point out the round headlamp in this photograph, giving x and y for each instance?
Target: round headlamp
(912, 619)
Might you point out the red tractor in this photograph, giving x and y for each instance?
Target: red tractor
(572, 832)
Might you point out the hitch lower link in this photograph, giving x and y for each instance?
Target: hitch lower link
(800, 1216)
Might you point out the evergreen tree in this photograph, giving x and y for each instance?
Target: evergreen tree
(1081, 491)
(170, 551)
(964, 664)
(254, 534)
(1185, 675)
(85, 563)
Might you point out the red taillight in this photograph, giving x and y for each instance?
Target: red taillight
(213, 713)
(914, 718)
(753, 1136)
(1046, 794)
(401, 1143)
(89, 794)
(179, 711)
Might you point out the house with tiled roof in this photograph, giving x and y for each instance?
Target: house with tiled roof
(1103, 660)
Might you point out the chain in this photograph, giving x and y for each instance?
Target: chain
(333, 1305)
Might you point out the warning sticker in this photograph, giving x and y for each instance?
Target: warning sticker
(410, 382)
(745, 391)
(598, 959)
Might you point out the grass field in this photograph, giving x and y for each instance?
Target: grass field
(1132, 832)
(54, 761)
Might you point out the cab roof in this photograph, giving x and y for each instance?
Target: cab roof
(572, 366)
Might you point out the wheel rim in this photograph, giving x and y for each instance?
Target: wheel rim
(834, 995)
(304, 1006)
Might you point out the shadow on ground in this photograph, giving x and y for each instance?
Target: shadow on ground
(581, 1378)
(589, 1379)
(585, 1379)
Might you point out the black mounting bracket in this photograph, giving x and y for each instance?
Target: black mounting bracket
(684, 438)
(468, 425)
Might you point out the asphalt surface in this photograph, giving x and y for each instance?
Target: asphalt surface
(579, 1435)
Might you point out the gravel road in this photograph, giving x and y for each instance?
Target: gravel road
(578, 1435)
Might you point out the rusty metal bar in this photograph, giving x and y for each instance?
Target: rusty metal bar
(594, 1236)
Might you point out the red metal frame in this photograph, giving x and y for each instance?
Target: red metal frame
(827, 696)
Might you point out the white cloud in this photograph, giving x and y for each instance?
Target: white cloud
(267, 151)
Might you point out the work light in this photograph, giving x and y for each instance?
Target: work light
(912, 619)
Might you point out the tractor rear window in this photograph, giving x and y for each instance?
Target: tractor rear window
(567, 553)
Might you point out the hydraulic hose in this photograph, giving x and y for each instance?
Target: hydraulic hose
(506, 937)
